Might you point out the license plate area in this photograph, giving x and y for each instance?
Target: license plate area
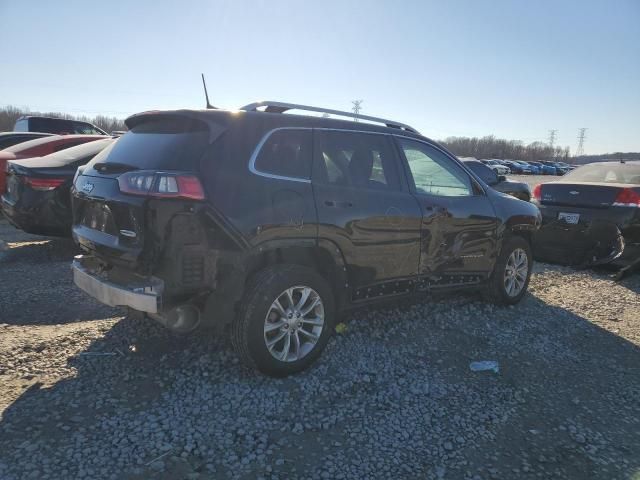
(570, 218)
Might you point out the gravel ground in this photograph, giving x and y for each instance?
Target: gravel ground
(89, 392)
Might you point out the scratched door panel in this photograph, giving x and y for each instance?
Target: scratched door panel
(364, 206)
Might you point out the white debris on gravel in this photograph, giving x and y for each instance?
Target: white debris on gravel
(391, 397)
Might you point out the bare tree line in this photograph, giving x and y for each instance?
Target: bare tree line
(492, 147)
(9, 115)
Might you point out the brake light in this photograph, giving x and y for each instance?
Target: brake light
(161, 184)
(44, 184)
(627, 198)
(537, 192)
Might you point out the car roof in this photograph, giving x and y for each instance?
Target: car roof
(616, 162)
(25, 134)
(68, 155)
(278, 120)
(58, 139)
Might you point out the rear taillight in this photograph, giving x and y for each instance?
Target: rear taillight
(43, 184)
(627, 198)
(161, 184)
(536, 194)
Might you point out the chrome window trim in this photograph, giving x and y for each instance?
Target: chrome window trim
(266, 136)
(256, 152)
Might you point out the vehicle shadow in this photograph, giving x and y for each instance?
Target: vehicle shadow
(39, 249)
(564, 404)
(36, 286)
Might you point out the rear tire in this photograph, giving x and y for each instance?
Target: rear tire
(285, 320)
(510, 278)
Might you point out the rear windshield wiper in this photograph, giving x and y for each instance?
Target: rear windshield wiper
(113, 167)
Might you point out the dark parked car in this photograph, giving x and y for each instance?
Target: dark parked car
(59, 126)
(39, 148)
(271, 224)
(520, 190)
(9, 139)
(591, 215)
(37, 198)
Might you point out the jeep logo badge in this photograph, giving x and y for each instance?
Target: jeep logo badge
(574, 192)
(87, 187)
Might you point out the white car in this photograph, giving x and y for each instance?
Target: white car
(497, 167)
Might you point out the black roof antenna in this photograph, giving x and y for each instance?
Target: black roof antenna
(206, 95)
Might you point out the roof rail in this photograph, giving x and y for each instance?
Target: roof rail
(281, 107)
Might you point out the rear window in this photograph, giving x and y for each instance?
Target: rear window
(608, 173)
(164, 143)
(51, 125)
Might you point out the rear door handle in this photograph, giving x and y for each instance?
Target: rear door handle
(337, 204)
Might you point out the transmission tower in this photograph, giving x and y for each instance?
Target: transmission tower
(581, 138)
(552, 137)
(357, 106)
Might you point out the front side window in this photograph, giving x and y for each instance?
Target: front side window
(433, 172)
(286, 153)
(487, 175)
(354, 159)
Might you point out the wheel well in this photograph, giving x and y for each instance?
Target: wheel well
(526, 234)
(316, 258)
(220, 307)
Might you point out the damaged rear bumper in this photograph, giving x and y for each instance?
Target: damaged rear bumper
(117, 289)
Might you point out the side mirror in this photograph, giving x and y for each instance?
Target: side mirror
(502, 178)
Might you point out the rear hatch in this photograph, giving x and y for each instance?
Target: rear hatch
(124, 198)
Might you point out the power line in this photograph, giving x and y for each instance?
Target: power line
(552, 137)
(581, 139)
(357, 106)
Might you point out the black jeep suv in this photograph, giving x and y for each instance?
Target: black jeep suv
(271, 224)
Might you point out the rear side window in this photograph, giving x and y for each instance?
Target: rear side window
(286, 153)
(172, 143)
(358, 160)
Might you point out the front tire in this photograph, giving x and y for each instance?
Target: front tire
(284, 321)
(509, 281)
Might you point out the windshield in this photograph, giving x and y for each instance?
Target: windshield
(606, 173)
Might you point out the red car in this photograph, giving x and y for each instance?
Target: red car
(38, 148)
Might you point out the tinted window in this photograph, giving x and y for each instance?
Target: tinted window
(487, 175)
(434, 172)
(50, 125)
(173, 143)
(286, 153)
(356, 160)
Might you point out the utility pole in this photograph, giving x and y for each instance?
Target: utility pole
(552, 137)
(357, 106)
(581, 138)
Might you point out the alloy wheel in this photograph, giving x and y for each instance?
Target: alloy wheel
(294, 323)
(515, 273)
